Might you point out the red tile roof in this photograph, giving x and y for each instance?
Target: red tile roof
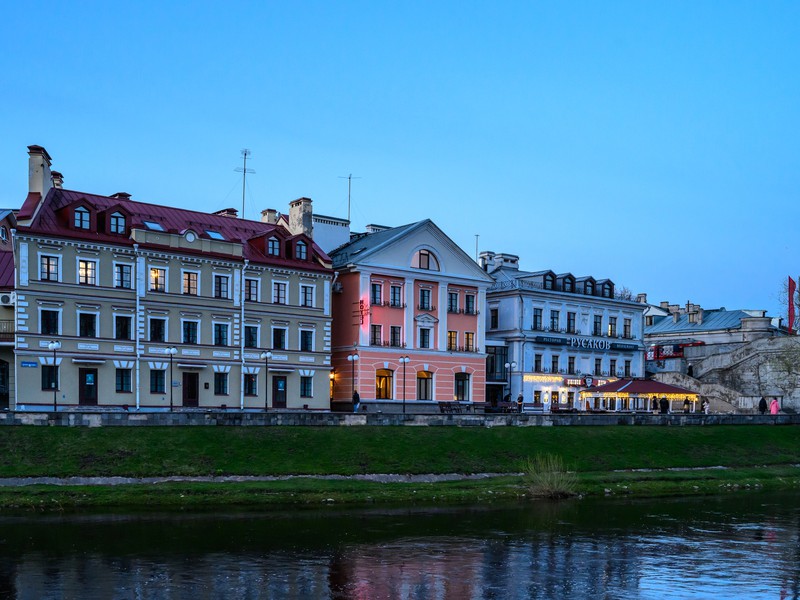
(52, 220)
(640, 387)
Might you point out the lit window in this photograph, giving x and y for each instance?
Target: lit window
(48, 268)
(190, 283)
(462, 387)
(158, 280)
(87, 272)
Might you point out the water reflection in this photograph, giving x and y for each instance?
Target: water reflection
(732, 547)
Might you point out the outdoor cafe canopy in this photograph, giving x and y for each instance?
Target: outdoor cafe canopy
(636, 394)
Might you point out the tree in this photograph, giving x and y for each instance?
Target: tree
(783, 299)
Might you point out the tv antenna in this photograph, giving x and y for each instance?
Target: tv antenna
(244, 171)
(349, 183)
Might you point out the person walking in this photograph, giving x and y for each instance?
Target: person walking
(762, 405)
(654, 405)
(774, 409)
(519, 403)
(356, 401)
(686, 405)
(664, 405)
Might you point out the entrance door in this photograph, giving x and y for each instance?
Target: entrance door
(278, 391)
(191, 389)
(87, 387)
(3, 384)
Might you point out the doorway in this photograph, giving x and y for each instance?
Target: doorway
(191, 389)
(87, 387)
(278, 391)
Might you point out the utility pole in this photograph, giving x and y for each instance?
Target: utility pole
(349, 183)
(244, 171)
(476, 246)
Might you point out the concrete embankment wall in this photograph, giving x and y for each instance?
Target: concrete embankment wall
(332, 419)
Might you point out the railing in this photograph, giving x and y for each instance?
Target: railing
(426, 307)
(7, 331)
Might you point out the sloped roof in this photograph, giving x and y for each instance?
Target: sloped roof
(363, 244)
(6, 270)
(713, 320)
(640, 387)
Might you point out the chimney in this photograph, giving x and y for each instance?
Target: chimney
(270, 216)
(39, 176)
(227, 212)
(121, 196)
(373, 228)
(301, 217)
(664, 304)
(58, 179)
(699, 315)
(675, 316)
(641, 298)
(486, 260)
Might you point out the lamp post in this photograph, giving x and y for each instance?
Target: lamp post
(353, 358)
(266, 355)
(404, 361)
(172, 351)
(55, 345)
(510, 365)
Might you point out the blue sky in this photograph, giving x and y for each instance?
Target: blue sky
(654, 143)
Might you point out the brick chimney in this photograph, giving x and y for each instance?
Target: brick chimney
(301, 217)
(58, 179)
(39, 176)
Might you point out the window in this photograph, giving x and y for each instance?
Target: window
(158, 382)
(122, 276)
(537, 363)
(570, 322)
(425, 338)
(493, 318)
(123, 380)
(153, 226)
(469, 304)
(375, 294)
(462, 387)
(608, 290)
(87, 272)
(649, 320)
(394, 292)
(425, 260)
(251, 290)
(571, 365)
(273, 247)
(537, 319)
(452, 302)
(496, 359)
(117, 223)
(569, 284)
(214, 235)
(190, 283)
(537, 397)
(612, 367)
(306, 387)
(81, 218)
(221, 286)
(555, 318)
(383, 384)
(122, 327)
(626, 328)
(452, 340)
(469, 341)
(48, 268)
(375, 335)
(549, 281)
(250, 384)
(598, 366)
(395, 336)
(424, 385)
(307, 295)
(612, 326)
(220, 334)
(190, 332)
(597, 329)
(306, 341)
(301, 250)
(279, 338)
(627, 368)
(87, 325)
(278, 292)
(251, 336)
(590, 288)
(48, 322)
(158, 330)
(554, 360)
(425, 299)
(220, 384)
(158, 279)
(49, 377)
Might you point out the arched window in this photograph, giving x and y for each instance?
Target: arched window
(607, 290)
(81, 218)
(117, 223)
(273, 247)
(302, 251)
(424, 259)
(424, 385)
(569, 284)
(383, 384)
(590, 288)
(549, 281)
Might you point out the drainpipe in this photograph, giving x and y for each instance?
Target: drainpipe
(241, 335)
(16, 314)
(136, 323)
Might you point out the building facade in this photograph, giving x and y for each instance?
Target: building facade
(551, 335)
(408, 328)
(126, 304)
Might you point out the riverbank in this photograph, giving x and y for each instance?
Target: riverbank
(607, 460)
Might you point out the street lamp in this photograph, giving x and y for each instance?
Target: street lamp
(266, 356)
(172, 351)
(353, 358)
(55, 345)
(510, 365)
(404, 361)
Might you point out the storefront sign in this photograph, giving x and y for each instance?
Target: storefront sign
(616, 346)
(29, 364)
(544, 339)
(590, 343)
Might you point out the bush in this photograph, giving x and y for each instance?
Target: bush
(547, 477)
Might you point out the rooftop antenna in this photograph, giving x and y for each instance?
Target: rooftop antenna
(244, 171)
(349, 183)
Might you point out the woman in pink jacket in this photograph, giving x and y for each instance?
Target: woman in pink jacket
(773, 407)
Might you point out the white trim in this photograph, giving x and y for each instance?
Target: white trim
(78, 314)
(221, 368)
(59, 269)
(148, 276)
(258, 289)
(60, 320)
(166, 328)
(78, 260)
(118, 263)
(214, 336)
(199, 330)
(228, 291)
(199, 276)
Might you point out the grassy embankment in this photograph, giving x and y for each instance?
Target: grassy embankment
(602, 457)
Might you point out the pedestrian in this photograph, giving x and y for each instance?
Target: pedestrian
(773, 407)
(654, 405)
(706, 406)
(686, 405)
(519, 403)
(356, 401)
(664, 405)
(762, 405)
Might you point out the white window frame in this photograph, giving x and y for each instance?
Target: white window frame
(166, 329)
(78, 314)
(313, 289)
(285, 337)
(114, 326)
(285, 285)
(196, 272)
(78, 260)
(59, 327)
(258, 335)
(164, 268)
(300, 337)
(229, 287)
(116, 264)
(300, 391)
(58, 270)
(199, 331)
(258, 289)
(214, 336)
(111, 220)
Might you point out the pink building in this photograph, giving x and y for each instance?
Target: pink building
(406, 302)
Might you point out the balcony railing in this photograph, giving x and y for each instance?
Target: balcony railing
(7, 331)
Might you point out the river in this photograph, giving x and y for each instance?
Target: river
(743, 545)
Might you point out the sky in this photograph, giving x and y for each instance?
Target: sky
(652, 143)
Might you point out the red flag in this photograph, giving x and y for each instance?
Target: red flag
(792, 287)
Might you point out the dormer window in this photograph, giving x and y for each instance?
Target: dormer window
(424, 259)
(549, 281)
(117, 223)
(607, 290)
(590, 288)
(302, 251)
(81, 218)
(569, 284)
(273, 247)
(3, 233)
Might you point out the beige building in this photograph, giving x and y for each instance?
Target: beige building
(125, 304)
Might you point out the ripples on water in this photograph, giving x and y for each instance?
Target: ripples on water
(733, 547)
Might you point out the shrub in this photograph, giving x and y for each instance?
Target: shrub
(546, 476)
